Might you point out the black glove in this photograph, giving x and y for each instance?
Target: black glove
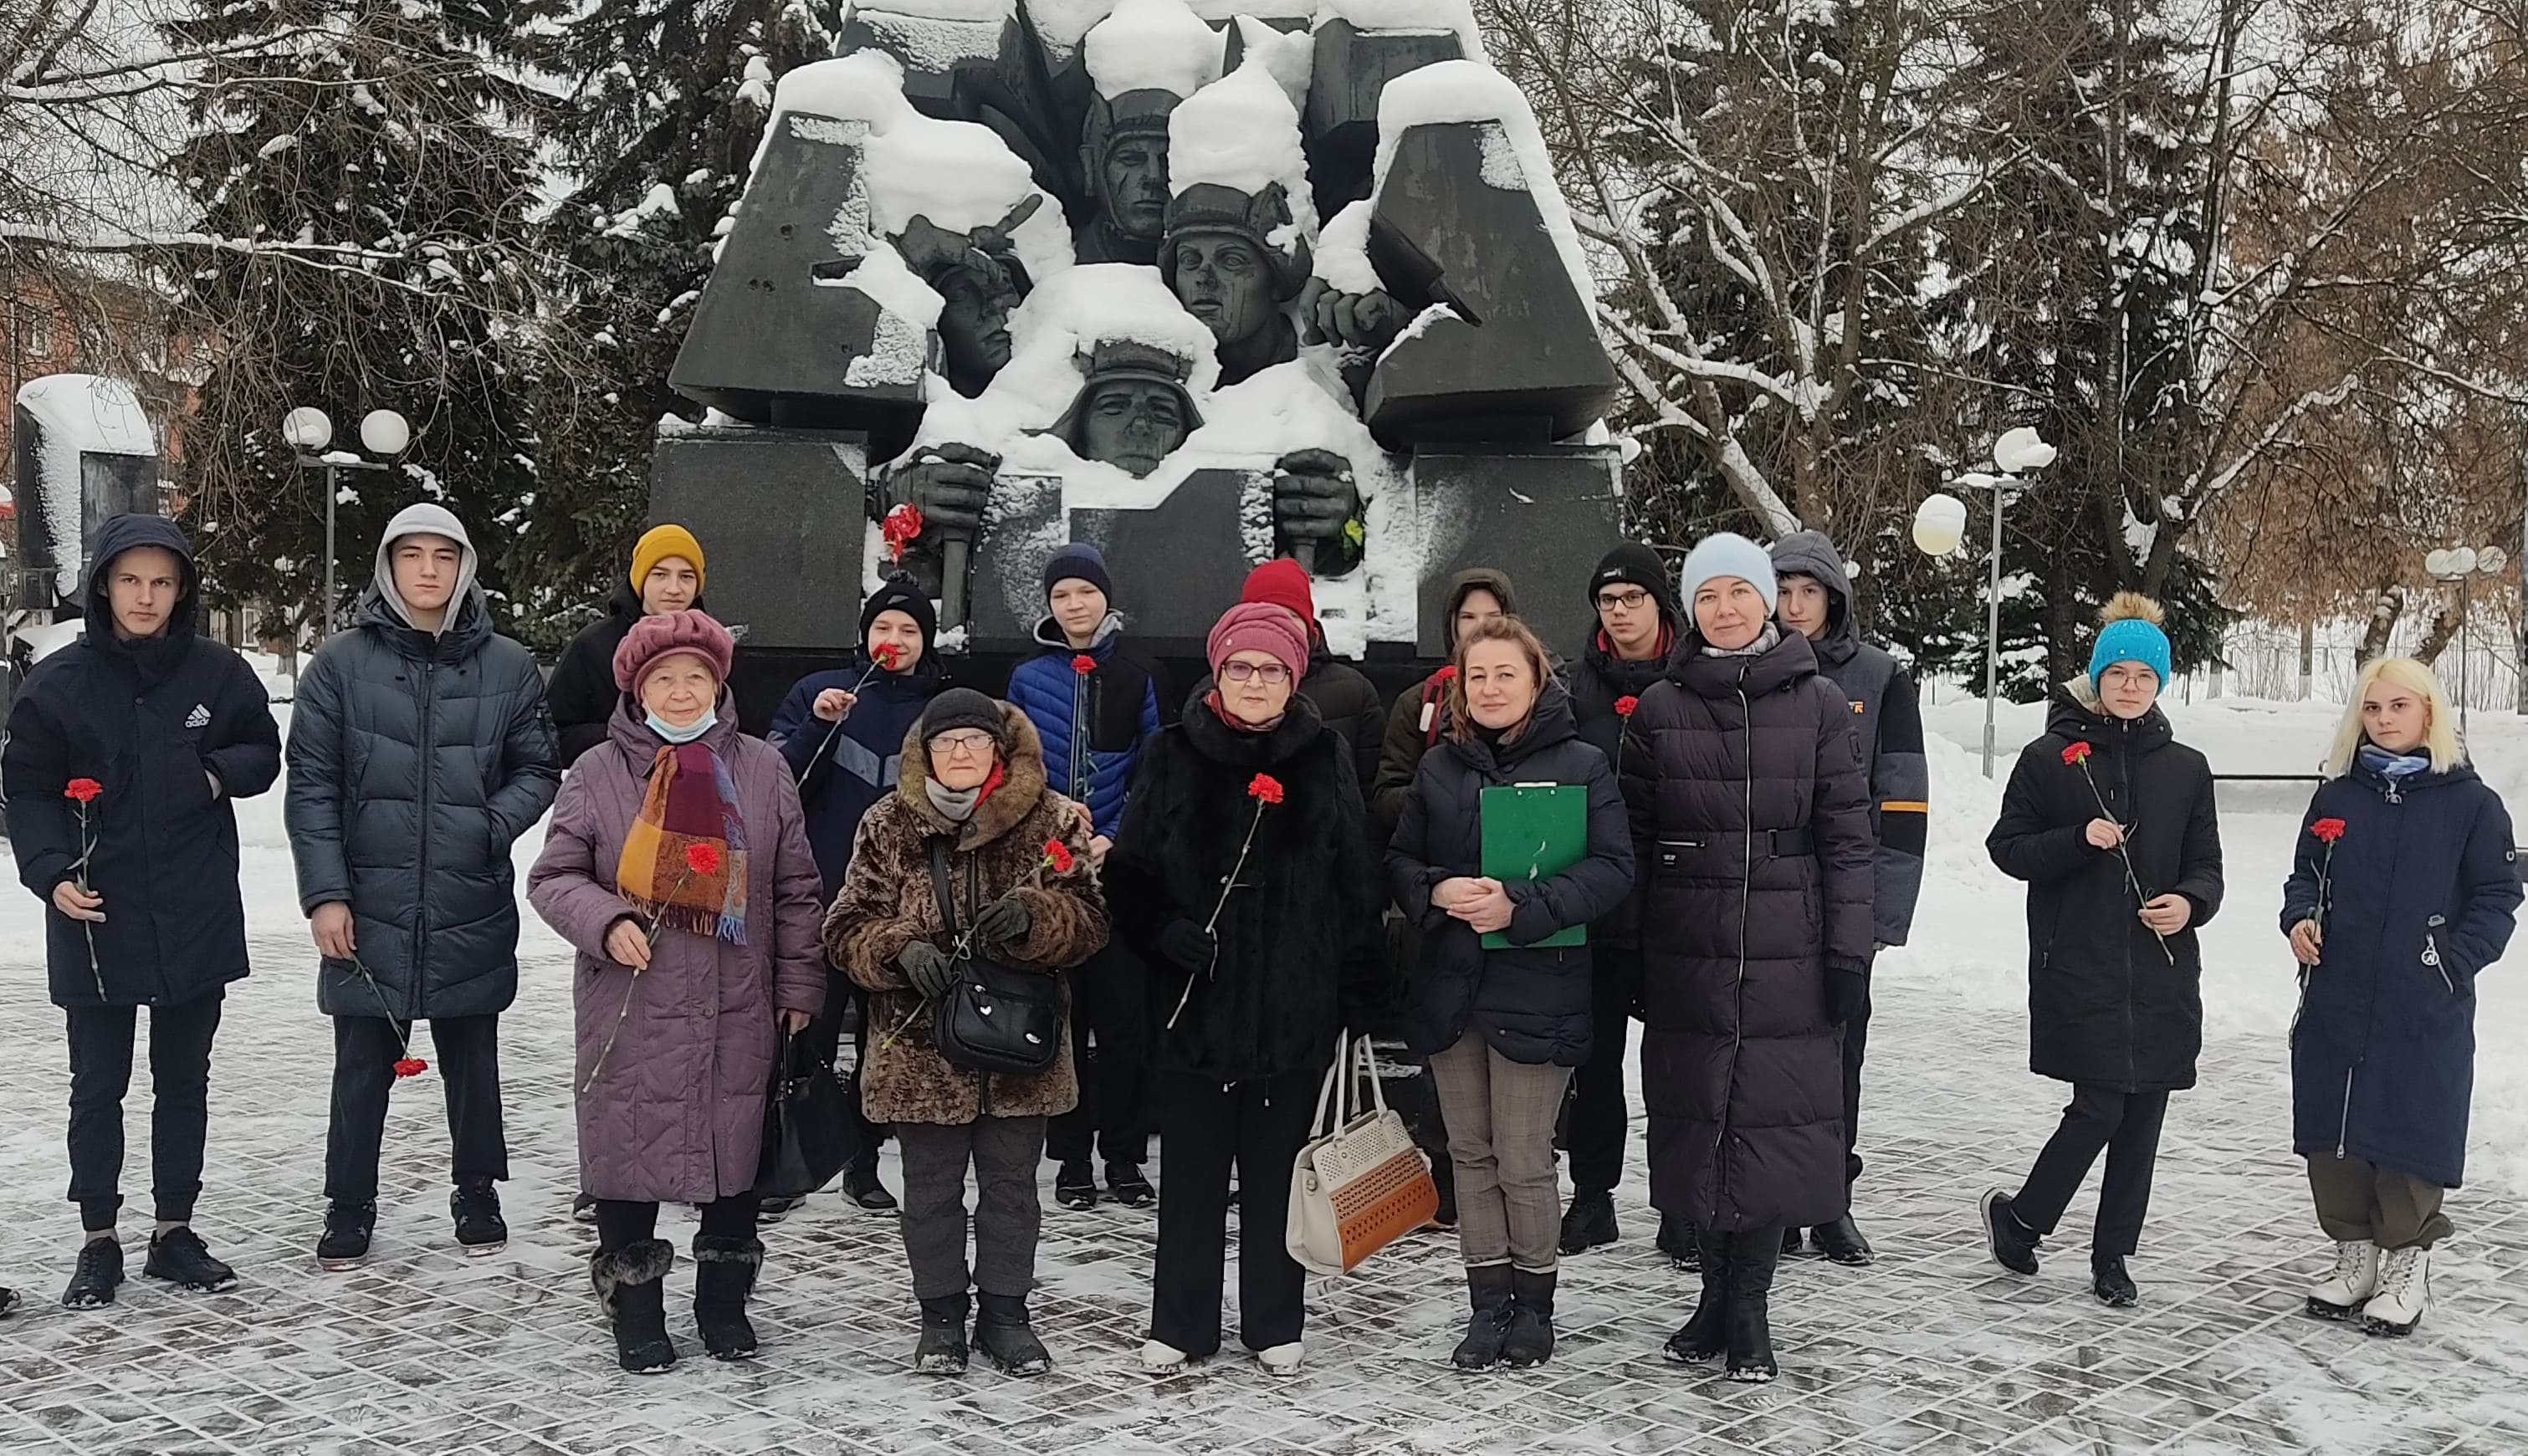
(1847, 994)
(927, 966)
(1003, 920)
(1189, 945)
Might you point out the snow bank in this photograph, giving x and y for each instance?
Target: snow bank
(77, 414)
(961, 176)
(942, 9)
(1144, 45)
(1061, 24)
(1241, 131)
(1291, 56)
(1455, 16)
(1472, 91)
(1342, 251)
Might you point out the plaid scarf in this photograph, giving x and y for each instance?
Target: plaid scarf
(691, 801)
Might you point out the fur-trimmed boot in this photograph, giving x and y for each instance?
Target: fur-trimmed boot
(724, 1271)
(629, 1284)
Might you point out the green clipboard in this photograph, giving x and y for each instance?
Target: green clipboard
(1533, 831)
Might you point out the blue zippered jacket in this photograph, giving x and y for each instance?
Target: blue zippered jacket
(1094, 724)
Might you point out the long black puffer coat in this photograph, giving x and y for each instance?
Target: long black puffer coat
(1298, 955)
(2105, 1004)
(1529, 1002)
(152, 722)
(415, 762)
(1750, 831)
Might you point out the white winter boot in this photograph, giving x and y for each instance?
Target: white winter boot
(2341, 1294)
(2404, 1292)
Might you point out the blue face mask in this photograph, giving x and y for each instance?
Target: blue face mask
(687, 734)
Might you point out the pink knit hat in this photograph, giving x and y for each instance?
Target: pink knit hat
(1259, 627)
(667, 633)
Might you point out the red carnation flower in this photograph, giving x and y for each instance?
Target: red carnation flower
(83, 790)
(887, 653)
(900, 528)
(2328, 830)
(703, 859)
(1058, 855)
(2075, 754)
(410, 1066)
(1444, 673)
(1084, 665)
(1625, 705)
(1265, 789)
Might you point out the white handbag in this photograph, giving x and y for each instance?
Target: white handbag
(1360, 1183)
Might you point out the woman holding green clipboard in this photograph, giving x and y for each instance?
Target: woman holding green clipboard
(1513, 840)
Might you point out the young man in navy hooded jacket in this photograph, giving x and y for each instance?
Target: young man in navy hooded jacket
(125, 750)
(1096, 701)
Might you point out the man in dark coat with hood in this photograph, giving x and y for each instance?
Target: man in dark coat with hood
(667, 576)
(1417, 721)
(1637, 628)
(420, 749)
(124, 750)
(1816, 599)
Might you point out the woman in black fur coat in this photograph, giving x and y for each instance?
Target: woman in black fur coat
(1242, 877)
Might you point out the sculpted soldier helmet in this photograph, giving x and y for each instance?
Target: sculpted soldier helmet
(1124, 155)
(1258, 217)
(1133, 406)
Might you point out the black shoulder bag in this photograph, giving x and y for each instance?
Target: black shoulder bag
(994, 1019)
(809, 1130)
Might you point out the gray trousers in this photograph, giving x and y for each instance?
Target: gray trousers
(2358, 1202)
(1004, 1153)
(1500, 1116)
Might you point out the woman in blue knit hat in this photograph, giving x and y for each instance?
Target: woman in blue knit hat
(2109, 821)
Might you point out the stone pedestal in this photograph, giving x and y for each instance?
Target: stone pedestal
(108, 485)
(776, 339)
(1544, 514)
(1455, 222)
(782, 515)
(1177, 565)
(1340, 125)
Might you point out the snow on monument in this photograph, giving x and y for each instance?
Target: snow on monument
(85, 451)
(1203, 282)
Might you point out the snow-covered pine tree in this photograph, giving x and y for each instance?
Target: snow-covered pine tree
(662, 103)
(362, 240)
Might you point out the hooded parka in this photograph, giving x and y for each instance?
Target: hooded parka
(152, 721)
(2421, 891)
(1530, 1002)
(582, 691)
(2106, 1006)
(1418, 720)
(1750, 834)
(417, 761)
(675, 1113)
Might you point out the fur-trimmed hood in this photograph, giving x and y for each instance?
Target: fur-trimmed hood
(1004, 808)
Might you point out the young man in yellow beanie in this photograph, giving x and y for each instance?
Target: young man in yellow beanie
(667, 576)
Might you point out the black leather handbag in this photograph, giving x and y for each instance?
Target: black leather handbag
(993, 1018)
(809, 1130)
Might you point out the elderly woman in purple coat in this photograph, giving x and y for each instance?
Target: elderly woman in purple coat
(677, 863)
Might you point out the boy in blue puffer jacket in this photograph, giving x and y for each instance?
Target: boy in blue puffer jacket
(1095, 703)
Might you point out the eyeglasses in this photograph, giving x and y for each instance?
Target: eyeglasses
(962, 745)
(1271, 674)
(1626, 600)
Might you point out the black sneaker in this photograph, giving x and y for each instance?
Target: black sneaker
(1074, 1187)
(7, 1303)
(99, 1271)
(1131, 1189)
(180, 1258)
(476, 1205)
(346, 1244)
(774, 1210)
(583, 1210)
(2013, 1243)
(862, 1187)
(2114, 1287)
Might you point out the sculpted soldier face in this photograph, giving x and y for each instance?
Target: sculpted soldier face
(1224, 280)
(1132, 183)
(1132, 424)
(975, 327)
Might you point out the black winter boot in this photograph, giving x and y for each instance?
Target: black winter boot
(724, 1271)
(1129, 1185)
(942, 1351)
(1489, 1290)
(1589, 1221)
(1706, 1333)
(630, 1284)
(1531, 1326)
(1676, 1240)
(475, 1205)
(1842, 1242)
(1003, 1334)
(1074, 1185)
(862, 1187)
(1752, 1259)
(346, 1244)
(2109, 1280)
(8, 1302)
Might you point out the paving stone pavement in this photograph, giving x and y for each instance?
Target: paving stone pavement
(1931, 1350)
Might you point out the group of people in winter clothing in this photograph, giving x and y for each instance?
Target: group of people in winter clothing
(1188, 889)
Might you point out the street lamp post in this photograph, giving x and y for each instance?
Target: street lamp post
(2459, 564)
(1939, 526)
(382, 431)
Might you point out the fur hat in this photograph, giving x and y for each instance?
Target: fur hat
(2131, 631)
(667, 633)
(1259, 627)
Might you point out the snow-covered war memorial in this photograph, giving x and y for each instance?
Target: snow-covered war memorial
(1201, 283)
